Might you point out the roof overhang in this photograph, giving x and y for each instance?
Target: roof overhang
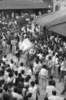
(22, 4)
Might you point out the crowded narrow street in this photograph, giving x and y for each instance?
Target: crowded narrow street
(32, 49)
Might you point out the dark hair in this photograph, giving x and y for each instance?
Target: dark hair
(16, 72)
(57, 55)
(5, 56)
(51, 77)
(5, 87)
(10, 84)
(44, 66)
(29, 95)
(20, 85)
(54, 92)
(50, 83)
(3, 63)
(27, 86)
(1, 90)
(32, 83)
(2, 72)
(29, 77)
(22, 72)
(36, 81)
(19, 74)
(5, 97)
(21, 64)
(9, 70)
(8, 65)
(45, 98)
(49, 57)
(10, 74)
(12, 61)
(15, 89)
(26, 79)
(62, 59)
(19, 90)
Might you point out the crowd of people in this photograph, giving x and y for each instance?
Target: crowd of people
(46, 61)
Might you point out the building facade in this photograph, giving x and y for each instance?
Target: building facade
(58, 4)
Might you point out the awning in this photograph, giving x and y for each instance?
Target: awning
(60, 29)
(48, 18)
(22, 4)
(57, 21)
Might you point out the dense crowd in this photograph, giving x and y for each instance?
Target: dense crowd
(45, 60)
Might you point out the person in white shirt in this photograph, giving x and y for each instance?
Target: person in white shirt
(49, 89)
(4, 59)
(62, 69)
(37, 67)
(12, 64)
(50, 65)
(33, 89)
(40, 56)
(17, 93)
(53, 60)
(43, 74)
(56, 65)
(55, 97)
(21, 67)
(20, 44)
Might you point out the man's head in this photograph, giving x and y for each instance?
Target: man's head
(54, 92)
(51, 77)
(32, 83)
(5, 97)
(21, 64)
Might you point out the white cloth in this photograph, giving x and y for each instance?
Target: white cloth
(43, 72)
(37, 67)
(56, 62)
(26, 44)
(63, 66)
(20, 69)
(20, 45)
(53, 59)
(11, 66)
(55, 98)
(40, 56)
(4, 59)
(33, 90)
(16, 95)
(29, 72)
(50, 63)
(49, 90)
